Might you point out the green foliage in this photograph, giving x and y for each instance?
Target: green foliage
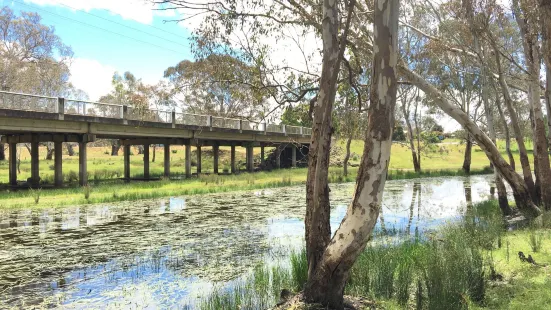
(297, 115)
(535, 240)
(398, 134)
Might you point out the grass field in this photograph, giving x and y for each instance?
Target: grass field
(104, 172)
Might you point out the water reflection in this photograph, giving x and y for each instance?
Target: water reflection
(165, 253)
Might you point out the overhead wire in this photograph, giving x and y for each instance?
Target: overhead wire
(126, 26)
(98, 27)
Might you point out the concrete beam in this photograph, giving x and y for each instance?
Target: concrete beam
(142, 141)
(35, 160)
(146, 161)
(215, 151)
(126, 150)
(82, 164)
(198, 159)
(58, 164)
(232, 160)
(28, 138)
(167, 161)
(188, 161)
(12, 153)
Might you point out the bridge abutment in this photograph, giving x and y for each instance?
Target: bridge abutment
(293, 156)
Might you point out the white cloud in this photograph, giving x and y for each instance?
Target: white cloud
(92, 77)
(137, 10)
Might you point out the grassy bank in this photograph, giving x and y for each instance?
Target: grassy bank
(113, 191)
(472, 263)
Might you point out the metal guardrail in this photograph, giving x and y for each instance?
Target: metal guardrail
(61, 106)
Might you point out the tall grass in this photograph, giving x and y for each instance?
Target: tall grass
(443, 270)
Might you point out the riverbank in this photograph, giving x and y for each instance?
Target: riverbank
(473, 263)
(116, 190)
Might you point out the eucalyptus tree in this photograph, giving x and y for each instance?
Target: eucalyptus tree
(218, 84)
(527, 17)
(329, 259)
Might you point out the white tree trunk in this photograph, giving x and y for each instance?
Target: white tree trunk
(330, 276)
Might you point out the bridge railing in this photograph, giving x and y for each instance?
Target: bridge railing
(192, 119)
(221, 122)
(146, 115)
(24, 102)
(45, 104)
(89, 108)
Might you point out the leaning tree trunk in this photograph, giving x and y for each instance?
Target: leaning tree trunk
(520, 191)
(468, 155)
(317, 225)
(507, 132)
(347, 156)
(326, 284)
(529, 33)
(501, 190)
(523, 154)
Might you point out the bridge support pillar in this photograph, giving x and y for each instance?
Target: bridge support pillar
(58, 163)
(250, 159)
(198, 159)
(35, 159)
(215, 151)
(82, 164)
(146, 161)
(294, 156)
(278, 156)
(188, 160)
(126, 151)
(232, 159)
(167, 161)
(262, 160)
(13, 163)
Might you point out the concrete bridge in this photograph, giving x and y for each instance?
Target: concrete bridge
(32, 119)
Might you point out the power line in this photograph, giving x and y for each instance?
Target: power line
(97, 27)
(130, 27)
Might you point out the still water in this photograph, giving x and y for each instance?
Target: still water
(168, 253)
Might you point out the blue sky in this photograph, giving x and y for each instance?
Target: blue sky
(98, 53)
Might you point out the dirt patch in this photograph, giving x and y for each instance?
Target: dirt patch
(296, 302)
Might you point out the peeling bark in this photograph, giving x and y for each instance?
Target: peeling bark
(532, 56)
(468, 155)
(326, 284)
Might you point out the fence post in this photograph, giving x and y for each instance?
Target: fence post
(265, 128)
(301, 133)
(210, 122)
(60, 108)
(125, 114)
(173, 119)
(284, 130)
(240, 126)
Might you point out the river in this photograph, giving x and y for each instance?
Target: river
(168, 253)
